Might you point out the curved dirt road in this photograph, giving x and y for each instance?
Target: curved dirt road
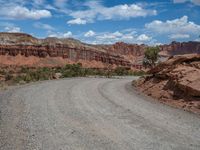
(91, 114)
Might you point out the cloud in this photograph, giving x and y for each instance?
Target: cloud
(40, 25)
(118, 36)
(112, 37)
(197, 40)
(196, 2)
(60, 35)
(176, 26)
(97, 11)
(89, 34)
(77, 21)
(144, 38)
(179, 36)
(12, 29)
(21, 12)
(9, 27)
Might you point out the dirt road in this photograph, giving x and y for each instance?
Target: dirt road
(92, 114)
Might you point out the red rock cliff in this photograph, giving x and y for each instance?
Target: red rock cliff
(177, 48)
(63, 51)
(13, 44)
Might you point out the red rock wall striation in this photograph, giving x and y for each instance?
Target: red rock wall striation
(60, 50)
(177, 48)
(124, 49)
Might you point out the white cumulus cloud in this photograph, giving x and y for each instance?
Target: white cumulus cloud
(177, 26)
(89, 34)
(144, 38)
(12, 29)
(77, 21)
(21, 12)
(60, 35)
(97, 11)
(120, 36)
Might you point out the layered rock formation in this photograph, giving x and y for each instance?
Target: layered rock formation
(14, 44)
(63, 51)
(177, 48)
(125, 49)
(132, 52)
(175, 82)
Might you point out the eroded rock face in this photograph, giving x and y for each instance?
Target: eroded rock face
(177, 48)
(64, 52)
(183, 71)
(187, 79)
(127, 49)
(176, 81)
(14, 44)
(133, 52)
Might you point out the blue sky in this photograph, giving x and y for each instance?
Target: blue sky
(104, 21)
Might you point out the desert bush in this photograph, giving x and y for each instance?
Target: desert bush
(2, 72)
(150, 56)
(8, 77)
(24, 69)
(137, 73)
(120, 71)
(70, 70)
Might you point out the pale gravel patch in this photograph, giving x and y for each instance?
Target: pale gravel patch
(91, 113)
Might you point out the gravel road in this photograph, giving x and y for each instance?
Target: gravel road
(92, 114)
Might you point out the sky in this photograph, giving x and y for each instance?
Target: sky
(149, 22)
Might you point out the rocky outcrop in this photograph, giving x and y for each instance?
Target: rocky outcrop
(133, 52)
(63, 51)
(125, 49)
(177, 48)
(182, 71)
(22, 44)
(176, 82)
(17, 38)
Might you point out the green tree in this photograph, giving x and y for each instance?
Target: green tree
(150, 56)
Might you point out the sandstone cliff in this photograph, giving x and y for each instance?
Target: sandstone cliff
(177, 48)
(133, 52)
(15, 44)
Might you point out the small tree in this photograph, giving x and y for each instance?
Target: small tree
(150, 56)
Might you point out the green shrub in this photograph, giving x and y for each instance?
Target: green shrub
(18, 79)
(24, 70)
(2, 72)
(150, 56)
(138, 73)
(120, 71)
(70, 70)
(8, 77)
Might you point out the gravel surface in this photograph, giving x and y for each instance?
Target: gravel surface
(92, 114)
